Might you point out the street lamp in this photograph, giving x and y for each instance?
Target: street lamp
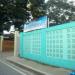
(47, 18)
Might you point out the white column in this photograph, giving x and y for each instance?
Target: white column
(1, 43)
(16, 43)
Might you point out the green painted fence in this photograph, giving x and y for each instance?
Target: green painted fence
(53, 46)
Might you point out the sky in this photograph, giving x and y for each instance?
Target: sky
(68, 1)
(46, 1)
(73, 1)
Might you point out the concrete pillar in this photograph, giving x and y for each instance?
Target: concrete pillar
(16, 43)
(1, 43)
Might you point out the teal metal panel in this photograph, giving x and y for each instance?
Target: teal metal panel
(21, 45)
(32, 45)
(53, 46)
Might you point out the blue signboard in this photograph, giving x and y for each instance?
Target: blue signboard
(36, 24)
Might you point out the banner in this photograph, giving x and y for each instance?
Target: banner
(36, 24)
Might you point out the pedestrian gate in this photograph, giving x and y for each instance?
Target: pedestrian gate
(52, 46)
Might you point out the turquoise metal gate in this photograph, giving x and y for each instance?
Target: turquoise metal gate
(53, 46)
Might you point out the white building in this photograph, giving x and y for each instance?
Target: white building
(11, 30)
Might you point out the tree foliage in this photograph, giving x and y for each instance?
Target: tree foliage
(60, 12)
(13, 10)
(37, 8)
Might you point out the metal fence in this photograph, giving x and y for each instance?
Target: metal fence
(53, 46)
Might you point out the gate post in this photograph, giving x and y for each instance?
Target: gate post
(1, 43)
(16, 43)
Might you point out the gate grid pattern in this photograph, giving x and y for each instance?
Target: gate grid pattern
(52, 46)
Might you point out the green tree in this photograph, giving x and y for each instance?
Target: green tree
(60, 11)
(37, 8)
(13, 10)
(18, 11)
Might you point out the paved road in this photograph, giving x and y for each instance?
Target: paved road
(6, 70)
